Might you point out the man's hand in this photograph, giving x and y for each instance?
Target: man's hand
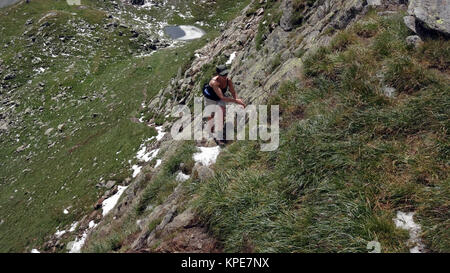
(241, 102)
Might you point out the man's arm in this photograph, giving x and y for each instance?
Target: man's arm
(232, 90)
(220, 94)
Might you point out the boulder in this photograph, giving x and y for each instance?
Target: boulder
(286, 19)
(431, 14)
(110, 184)
(414, 40)
(203, 173)
(410, 22)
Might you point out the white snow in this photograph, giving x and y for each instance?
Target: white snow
(207, 155)
(405, 220)
(92, 224)
(35, 251)
(181, 177)
(109, 203)
(158, 162)
(191, 33)
(60, 233)
(75, 246)
(136, 170)
(143, 156)
(161, 133)
(232, 57)
(73, 227)
(148, 4)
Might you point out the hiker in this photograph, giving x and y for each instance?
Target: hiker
(214, 93)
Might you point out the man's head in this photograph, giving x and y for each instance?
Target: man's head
(222, 70)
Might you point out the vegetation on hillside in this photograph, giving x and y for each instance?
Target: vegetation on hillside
(85, 70)
(350, 156)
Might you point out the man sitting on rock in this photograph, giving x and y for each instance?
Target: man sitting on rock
(214, 95)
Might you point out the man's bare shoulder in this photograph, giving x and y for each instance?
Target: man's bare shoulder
(214, 82)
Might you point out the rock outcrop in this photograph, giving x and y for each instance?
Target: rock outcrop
(257, 73)
(256, 78)
(429, 15)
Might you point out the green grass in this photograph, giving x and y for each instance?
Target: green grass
(154, 192)
(164, 184)
(272, 15)
(349, 157)
(99, 137)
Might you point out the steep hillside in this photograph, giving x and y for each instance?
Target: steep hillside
(73, 82)
(364, 146)
(363, 91)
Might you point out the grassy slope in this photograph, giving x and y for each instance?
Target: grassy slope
(349, 157)
(32, 202)
(117, 239)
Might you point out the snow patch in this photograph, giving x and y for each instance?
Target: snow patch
(136, 170)
(109, 203)
(158, 162)
(184, 32)
(191, 33)
(232, 57)
(58, 233)
(161, 133)
(75, 246)
(73, 227)
(143, 156)
(207, 155)
(405, 220)
(181, 177)
(92, 224)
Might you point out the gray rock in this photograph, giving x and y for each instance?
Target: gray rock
(10, 76)
(410, 22)
(432, 14)
(48, 132)
(374, 2)
(110, 184)
(286, 19)
(389, 91)
(21, 148)
(203, 173)
(61, 127)
(414, 40)
(3, 125)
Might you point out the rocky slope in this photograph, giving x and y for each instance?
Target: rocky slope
(74, 81)
(266, 46)
(347, 164)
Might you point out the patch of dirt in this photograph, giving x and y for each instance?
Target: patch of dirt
(191, 240)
